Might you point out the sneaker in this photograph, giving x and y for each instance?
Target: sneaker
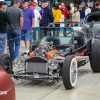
(25, 55)
(16, 64)
(5, 52)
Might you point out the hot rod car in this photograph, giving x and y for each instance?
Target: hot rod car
(55, 57)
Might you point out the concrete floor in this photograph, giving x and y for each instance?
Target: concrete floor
(87, 87)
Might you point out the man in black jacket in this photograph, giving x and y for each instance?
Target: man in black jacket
(4, 20)
(47, 16)
(97, 7)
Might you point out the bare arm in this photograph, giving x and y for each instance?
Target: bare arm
(33, 22)
(39, 16)
(21, 22)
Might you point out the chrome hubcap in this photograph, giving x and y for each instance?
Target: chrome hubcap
(6, 64)
(73, 72)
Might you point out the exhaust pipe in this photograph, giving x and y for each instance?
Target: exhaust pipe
(79, 58)
(60, 59)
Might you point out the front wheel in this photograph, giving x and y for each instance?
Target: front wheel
(6, 63)
(69, 72)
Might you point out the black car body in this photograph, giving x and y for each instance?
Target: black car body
(92, 22)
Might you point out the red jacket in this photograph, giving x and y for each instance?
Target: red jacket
(64, 11)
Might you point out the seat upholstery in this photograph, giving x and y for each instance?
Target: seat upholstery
(55, 40)
(66, 40)
(59, 40)
(80, 41)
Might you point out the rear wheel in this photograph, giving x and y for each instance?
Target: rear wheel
(69, 72)
(6, 63)
(95, 57)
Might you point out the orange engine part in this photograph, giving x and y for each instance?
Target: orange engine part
(31, 54)
(50, 53)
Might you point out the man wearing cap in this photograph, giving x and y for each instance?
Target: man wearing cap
(87, 10)
(29, 21)
(47, 16)
(14, 30)
(4, 20)
(36, 13)
(36, 5)
(37, 19)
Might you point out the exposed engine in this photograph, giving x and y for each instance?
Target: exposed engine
(42, 50)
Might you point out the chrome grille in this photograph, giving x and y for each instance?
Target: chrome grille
(36, 67)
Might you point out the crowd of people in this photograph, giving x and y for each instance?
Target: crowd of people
(16, 24)
(83, 10)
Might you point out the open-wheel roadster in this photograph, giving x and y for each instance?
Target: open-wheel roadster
(56, 57)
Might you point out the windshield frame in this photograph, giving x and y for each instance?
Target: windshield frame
(94, 26)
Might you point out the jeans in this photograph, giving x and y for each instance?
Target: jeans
(56, 30)
(25, 35)
(36, 34)
(47, 31)
(3, 38)
(14, 37)
(81, 22)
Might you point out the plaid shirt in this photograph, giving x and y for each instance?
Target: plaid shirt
(47, 17)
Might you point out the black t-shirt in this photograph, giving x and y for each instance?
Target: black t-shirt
(95, 9)
(4, 20)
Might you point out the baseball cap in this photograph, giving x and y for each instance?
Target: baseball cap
(18, 0)
(32, 4)
(86, 5)
(2, 3)
(44, 1)
(25, 1)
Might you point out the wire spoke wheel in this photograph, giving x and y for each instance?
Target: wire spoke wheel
(69, 72)
(73, 72)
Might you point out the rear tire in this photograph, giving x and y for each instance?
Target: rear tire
(95, 57)
(69, 72)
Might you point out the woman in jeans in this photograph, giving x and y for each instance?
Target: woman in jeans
(57, 16)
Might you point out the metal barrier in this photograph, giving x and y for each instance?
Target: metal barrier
(40, 32)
